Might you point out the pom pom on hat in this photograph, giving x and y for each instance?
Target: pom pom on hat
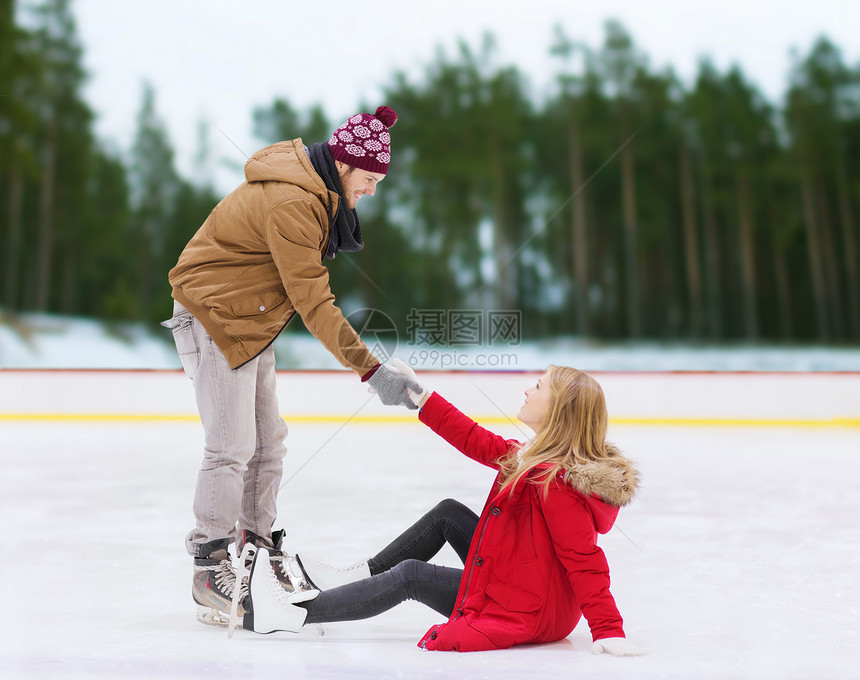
(363, 140)
(387, 115)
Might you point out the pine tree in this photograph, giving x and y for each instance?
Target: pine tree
(154, 192)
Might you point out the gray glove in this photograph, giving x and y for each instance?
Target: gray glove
(392, 387)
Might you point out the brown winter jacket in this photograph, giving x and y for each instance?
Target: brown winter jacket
(257, 260)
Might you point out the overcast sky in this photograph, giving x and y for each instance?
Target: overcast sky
(216, 60)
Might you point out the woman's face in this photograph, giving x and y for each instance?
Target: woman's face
(537, 403)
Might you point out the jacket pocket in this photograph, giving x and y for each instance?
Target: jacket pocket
(513, 599)
(509, 617)
(181, 325)
(261, 303)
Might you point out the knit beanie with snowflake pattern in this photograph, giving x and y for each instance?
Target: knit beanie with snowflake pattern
(363, 140)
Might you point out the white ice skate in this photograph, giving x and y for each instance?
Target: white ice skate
(271, 607)
(325, 577)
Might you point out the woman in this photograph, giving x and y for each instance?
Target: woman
(532, 564)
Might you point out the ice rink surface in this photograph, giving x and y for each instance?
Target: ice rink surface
(740, 558)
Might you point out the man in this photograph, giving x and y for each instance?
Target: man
(256, 261)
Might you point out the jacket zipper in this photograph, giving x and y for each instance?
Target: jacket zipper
(472, 566)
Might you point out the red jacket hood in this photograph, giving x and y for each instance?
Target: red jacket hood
(604, 514)
(606, 485)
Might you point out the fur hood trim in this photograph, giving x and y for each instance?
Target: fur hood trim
(615, 480)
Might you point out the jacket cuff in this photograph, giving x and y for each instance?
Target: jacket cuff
(373, 370)
(434, 401)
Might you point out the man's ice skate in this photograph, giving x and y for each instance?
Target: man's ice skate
(214, 585)
(325, 577)
(243, 575)
(287, 570)
(271, 608)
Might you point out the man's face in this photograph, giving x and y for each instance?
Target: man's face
(357, 182)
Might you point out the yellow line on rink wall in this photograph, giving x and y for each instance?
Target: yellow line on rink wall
(412, 419)
(98, 417)
(738, 422)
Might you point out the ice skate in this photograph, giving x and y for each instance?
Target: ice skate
(325, 577)
(215, 584)
(287, 570)
(243, 575)
(290, 568)
(271, 608)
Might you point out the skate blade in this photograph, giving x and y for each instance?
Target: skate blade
(212, 617)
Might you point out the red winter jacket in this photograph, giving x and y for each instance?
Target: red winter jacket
(534, 566)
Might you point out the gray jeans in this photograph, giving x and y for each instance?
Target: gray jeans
(237, 486)
(401, 572)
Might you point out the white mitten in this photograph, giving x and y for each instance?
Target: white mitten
(617, 646)
(405, 369)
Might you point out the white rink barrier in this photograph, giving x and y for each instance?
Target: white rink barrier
(659, 398)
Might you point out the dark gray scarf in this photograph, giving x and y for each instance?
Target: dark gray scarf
(344, 229)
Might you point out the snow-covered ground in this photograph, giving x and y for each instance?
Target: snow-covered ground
(41, 341)
(738, 559)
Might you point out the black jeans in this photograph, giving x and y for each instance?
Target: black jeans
(401, 572)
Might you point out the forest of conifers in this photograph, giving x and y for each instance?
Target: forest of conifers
(625, 205)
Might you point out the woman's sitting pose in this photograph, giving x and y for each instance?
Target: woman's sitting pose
(532, 566)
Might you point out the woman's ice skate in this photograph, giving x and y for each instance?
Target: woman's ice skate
(271, 608)
(325, 577)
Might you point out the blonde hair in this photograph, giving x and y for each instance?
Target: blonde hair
(573, 431)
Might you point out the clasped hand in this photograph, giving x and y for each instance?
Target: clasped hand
(397, 385)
